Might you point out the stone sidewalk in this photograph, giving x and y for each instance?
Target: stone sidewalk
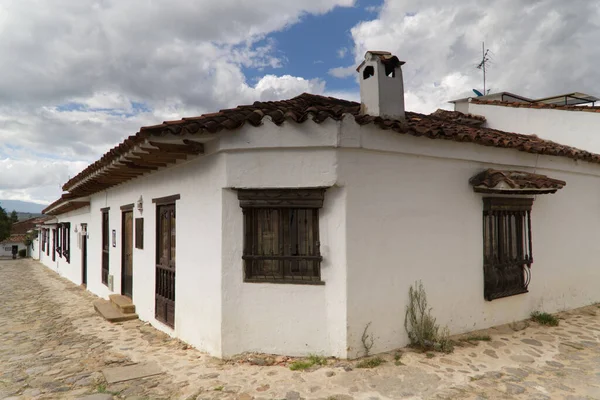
(53, 346)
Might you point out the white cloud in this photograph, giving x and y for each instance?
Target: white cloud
(343, 72)
(539, 48)
(341, 53)
(72, 70)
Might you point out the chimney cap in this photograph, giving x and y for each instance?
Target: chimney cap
(384, 56)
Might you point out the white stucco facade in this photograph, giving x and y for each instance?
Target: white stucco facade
(397, 209)
(569, 127)
(7, 246)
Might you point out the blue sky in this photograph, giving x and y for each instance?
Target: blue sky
(311, 47)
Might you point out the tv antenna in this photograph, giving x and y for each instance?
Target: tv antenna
(485, 61)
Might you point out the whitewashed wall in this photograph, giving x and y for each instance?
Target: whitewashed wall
(35, 249)
(47, 259)
(573, 128)
(198, 252)
(398, 209)
(284, 318)
(72, 270)
(411, 215)
(6, 248)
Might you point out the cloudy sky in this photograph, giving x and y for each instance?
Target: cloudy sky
(77, 76)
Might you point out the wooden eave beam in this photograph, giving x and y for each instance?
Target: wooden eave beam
(160, 156)
(138, 167)
(144, 162)
(187, 148)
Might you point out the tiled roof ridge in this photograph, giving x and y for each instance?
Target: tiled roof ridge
(448, 125)
(15, 238)
(515, 179)
(516, 104)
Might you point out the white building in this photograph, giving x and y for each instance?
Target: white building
(11, 246)
(569, 119)
(286, 227)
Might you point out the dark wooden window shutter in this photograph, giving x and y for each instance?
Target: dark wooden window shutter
(139, 233)
(281, 235)
(507, 246)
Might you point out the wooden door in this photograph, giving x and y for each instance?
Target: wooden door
(127, 254)
(83, 254)
(105, 247)
(165, 264)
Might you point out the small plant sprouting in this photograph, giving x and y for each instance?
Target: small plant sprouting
(544, 318)
(423, 331)
(444, 344)
(476, 338)
(317, 360)
(218, 388)
(300, 365)
(367, 340)
(313, 359)
(370, 362)
(397, 357)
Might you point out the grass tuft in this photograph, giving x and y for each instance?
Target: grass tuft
(313, 359)
(317, 360)
(544, 318)
(476, 338)
(370, 362)
(219, 388)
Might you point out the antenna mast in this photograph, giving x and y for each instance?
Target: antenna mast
(485, 60)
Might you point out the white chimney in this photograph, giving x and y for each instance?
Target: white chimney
(381, 85)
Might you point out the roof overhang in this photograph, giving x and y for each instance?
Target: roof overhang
(66, 203)
(136, 156)
(494, 181)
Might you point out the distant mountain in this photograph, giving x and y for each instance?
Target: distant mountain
(21, 206)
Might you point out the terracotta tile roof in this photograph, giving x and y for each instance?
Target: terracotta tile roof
(595, 109)
(445, 125)
(15, 238)
(22, 227)
(460, 118)
(521, 182)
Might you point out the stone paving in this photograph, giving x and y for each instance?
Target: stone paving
(53, 346)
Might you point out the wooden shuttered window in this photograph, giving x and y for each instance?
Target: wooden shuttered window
(62, 241)
(139, 233)
(281, 235)
(105, 246)
(507, 245)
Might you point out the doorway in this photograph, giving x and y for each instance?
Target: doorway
(84, 254)
(165, 264)
(127, 254)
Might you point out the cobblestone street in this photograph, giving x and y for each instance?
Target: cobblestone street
(54, 346)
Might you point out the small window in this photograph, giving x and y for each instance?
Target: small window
(368, 72)
(55, 243)
(390, 70)
(139, 233)
(281, 235)
(507, 249)
(65, 237)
